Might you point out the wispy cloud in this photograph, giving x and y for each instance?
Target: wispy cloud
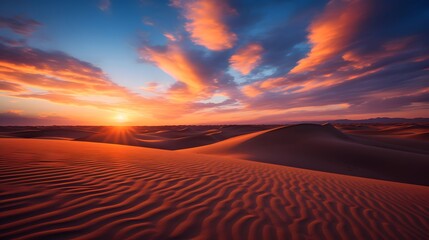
(52, 71)
(17, 118)
(174, 60)
(206, 23)
(104, 5)
(11, 87)
(197, 75)
(148, 21)
(246, 58)
(170, 37)
(333, 32)
(19, 24)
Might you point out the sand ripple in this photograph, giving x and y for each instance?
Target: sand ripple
(54, 189)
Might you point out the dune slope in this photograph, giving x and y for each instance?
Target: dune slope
(171, 138)
(324, 148)
(54, 189)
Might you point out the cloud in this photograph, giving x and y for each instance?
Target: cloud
(366, 54)
(54, 71)
(206, 22)
(198, 75)
(151, 87)
(270, 84)
(104, 5)
(246, 58)
(360, 33)
(333, 65)
(170, 37)
(148, 21)
(12, 42)
(10, 86)
(174, 61)
(333, 31)
(57, 77)
(19, 25)
(16, 118)
(31, 73)
(69, 99)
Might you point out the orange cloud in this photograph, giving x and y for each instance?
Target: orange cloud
(150, 87)
(64, 80)
(332, 32)
(206, 23)
(246, 58)
(251, 90)
(174, 61)
(270, 84)
(281, 84)
(11, 87)
(67, 99)
(170, 37)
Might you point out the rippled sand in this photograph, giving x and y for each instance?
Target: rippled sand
(55, 189)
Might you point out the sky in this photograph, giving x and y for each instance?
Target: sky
(154, 62)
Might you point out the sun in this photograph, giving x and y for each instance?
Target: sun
(121, 118)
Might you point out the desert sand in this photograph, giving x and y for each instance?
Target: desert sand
(252, 182)
(325, 148)
(163, 137)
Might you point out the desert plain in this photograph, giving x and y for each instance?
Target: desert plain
(303, 181)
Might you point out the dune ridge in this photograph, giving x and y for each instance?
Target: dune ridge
(50, 191)
(162, 137)
(325, 148)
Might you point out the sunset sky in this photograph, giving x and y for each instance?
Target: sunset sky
(153, 62)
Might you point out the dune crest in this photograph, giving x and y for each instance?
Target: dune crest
(324, 148)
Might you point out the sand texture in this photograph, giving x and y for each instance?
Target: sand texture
(246, 182)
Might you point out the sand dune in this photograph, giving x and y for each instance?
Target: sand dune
(162, 137)
(180, 137)
(65, 133)
(406, 130)
(171, 138)
(324, 148)
(103, 191)
(406, 137)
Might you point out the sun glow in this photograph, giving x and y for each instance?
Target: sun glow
(121, 118)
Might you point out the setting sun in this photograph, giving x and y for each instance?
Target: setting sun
(121, 118)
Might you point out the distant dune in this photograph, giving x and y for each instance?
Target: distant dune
(162, 137)
(171, 138)
(54, 189)
(324, 148)
(413, 131)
